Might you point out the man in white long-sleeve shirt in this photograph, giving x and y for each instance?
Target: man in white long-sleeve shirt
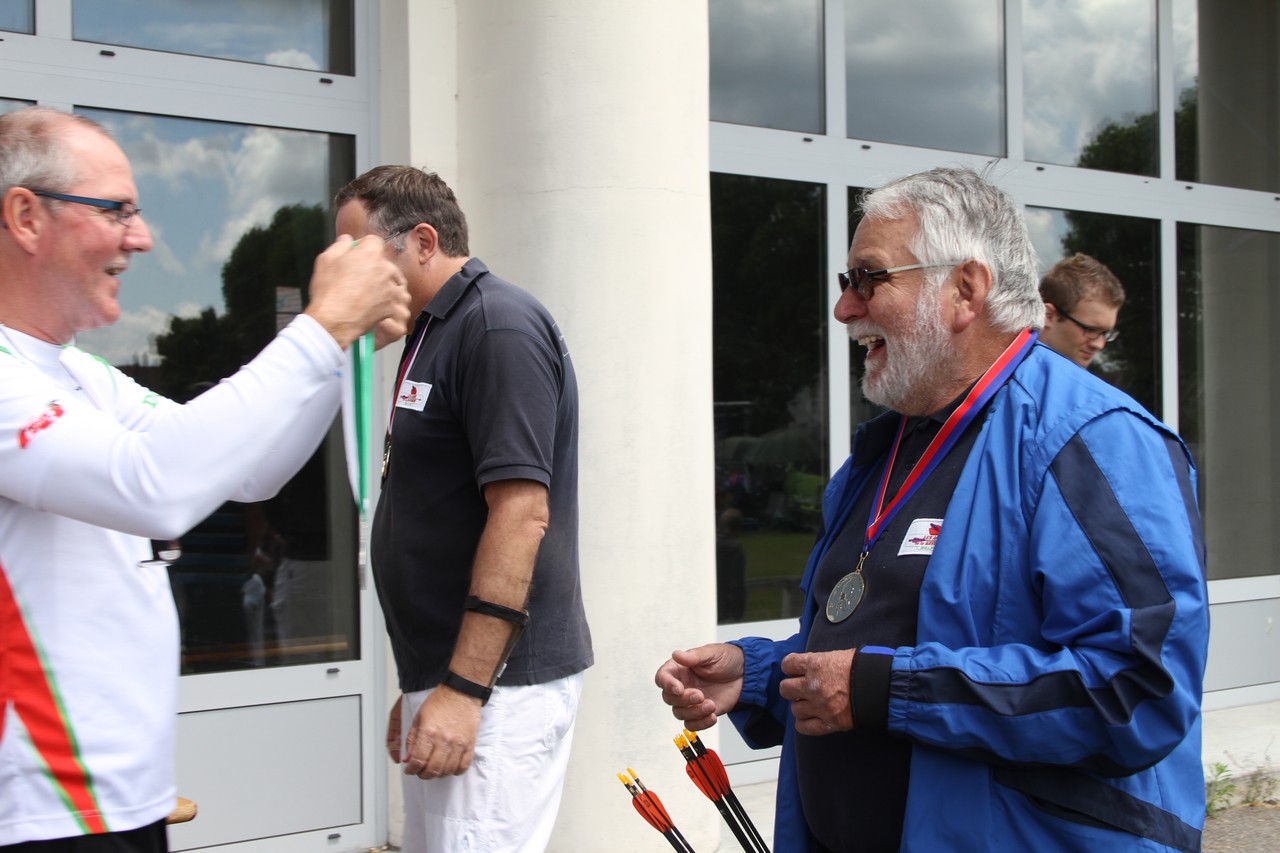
(93, 465)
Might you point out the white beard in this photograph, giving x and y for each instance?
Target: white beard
(914, 362)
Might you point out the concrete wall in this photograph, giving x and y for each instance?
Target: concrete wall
(575, 135)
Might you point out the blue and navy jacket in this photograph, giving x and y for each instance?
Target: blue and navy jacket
(1053, 694)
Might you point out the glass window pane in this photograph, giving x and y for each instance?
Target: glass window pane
(926, 72)
(1130, 247)
(18, 16)
(1227, 128)
(238, 214)
(1229, 390)
(771, 424)
(315, 35)
(8, 105)
(1089, 79)
(767, 63)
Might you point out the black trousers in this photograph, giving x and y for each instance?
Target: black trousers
(146, 839)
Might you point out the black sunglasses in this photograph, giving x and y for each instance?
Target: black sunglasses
(865, 281)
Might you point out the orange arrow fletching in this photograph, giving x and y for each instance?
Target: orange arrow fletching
(700, 779)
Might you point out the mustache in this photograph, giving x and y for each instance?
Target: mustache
(857, 330)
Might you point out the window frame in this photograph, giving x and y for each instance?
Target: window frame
(51, 69)
(838, 162)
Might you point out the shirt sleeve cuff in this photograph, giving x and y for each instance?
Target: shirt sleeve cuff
(869, 688)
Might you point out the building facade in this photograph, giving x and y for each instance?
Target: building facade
(675, 180)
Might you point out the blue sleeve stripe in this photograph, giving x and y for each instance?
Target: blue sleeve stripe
(1090, 498)
(1080, 799)
(1137, 578)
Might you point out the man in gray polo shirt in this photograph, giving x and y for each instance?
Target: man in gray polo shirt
(475, 537)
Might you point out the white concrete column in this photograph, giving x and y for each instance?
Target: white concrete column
(417, 125)
(582, 164)
(583, 169)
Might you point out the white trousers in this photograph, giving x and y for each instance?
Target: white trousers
(507, 801)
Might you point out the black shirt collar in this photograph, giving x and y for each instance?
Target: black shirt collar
(449, 295)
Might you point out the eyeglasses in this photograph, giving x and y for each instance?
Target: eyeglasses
(398, 232)
(865, 281)
(124, 211)
(1092, 332)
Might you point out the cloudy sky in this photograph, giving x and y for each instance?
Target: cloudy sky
(930, 72)
(927, 73)
(766, 63)
(1085, 63)
(1047, 227)
(290, 33)
(201, 185)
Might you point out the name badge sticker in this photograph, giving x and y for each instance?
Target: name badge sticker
(413, 395)
(921, 537)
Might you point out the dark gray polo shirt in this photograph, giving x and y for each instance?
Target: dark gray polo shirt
(491, 395)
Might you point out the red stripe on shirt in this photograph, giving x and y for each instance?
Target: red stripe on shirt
(26, 684)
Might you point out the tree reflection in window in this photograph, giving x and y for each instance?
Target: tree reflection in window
(771, 420)
(259, 584)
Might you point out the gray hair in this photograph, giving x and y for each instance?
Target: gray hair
(963, 216)
(33, 152)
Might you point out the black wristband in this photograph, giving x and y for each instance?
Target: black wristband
(465, 685)
(869, 689)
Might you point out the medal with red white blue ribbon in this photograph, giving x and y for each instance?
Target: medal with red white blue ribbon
(848, 593)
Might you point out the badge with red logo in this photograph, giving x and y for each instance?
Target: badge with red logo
(51, 413)
(413, 395)
(921, 536)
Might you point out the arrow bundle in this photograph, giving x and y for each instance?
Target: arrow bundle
(707, 772)
(650, 807)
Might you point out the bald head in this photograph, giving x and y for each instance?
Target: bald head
(35, 148)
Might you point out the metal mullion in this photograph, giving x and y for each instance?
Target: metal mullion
(1166, 94)
(839, 434)
(53, 19)
(1169, 322)
(1015, 143)
(835, 119)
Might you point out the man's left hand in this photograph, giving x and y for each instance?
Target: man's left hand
(442, 739)
(818, 691)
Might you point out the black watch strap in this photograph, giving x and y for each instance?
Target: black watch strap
(465, 685)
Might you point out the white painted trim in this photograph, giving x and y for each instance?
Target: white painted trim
(1014, 82)
(1170, 412)
(1244, 589)
(1256, 694)
(752, 772)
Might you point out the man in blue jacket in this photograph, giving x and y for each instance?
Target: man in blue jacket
(1006, 621)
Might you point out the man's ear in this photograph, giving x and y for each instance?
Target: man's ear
(20, 217)
(428, 241)
(972, 286)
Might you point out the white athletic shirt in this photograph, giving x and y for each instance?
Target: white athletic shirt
(92, 466)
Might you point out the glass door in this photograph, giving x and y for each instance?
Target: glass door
(240, 122)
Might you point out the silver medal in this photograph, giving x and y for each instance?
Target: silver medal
(846, 597)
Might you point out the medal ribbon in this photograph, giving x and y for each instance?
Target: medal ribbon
(405, 363)
(404, 371)
(982, 391)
